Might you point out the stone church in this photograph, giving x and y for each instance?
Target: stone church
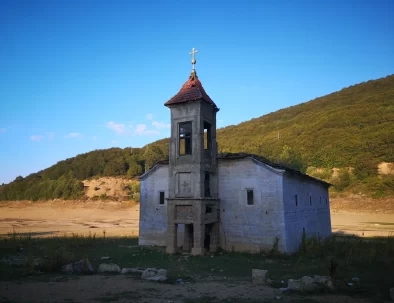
(200, 201)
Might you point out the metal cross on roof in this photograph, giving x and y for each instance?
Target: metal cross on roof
(194, 51)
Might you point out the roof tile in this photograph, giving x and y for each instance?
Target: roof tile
(192, 90)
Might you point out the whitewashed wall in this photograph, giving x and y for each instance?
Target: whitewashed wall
(250, 227)
(153, 216)
(313, 217)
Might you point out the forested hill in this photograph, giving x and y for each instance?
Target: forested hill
(340, 129)
(353, 127)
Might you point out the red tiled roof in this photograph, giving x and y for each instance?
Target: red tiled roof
(192, 90)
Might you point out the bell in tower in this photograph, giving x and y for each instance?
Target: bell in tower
(193, 200)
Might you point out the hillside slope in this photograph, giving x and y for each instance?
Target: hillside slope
(352, 129)
(339, 129)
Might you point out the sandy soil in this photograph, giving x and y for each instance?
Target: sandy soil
(362, 216)
(359, 216)
(60, 217)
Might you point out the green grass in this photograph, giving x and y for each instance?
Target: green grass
(371, 260)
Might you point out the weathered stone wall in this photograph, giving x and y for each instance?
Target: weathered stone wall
(242, 226)
(312, 213)
(190, 169)
(250, 227)
(153, 216)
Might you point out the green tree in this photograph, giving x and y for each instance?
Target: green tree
(134, 170)
(343, 180)
(152, 155)
(291, 158)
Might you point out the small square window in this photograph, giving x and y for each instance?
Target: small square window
(296, 199)
(161, 199)
(249, 195)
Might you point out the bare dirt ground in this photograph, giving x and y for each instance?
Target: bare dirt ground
(356, 215)
(349, 216)
(62, 217)
(126, 289)
(362, 216)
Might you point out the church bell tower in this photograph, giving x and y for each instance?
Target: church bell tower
(193, 170)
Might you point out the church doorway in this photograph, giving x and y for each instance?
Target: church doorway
(208, 236)
(188, 238)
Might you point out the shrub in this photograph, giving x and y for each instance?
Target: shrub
(343, 180)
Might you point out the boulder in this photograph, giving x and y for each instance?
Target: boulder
(148, 273)
(308, 284)
(109, 268)
(324, 282)
(294, 285)
(80, 267)
(152, 274)
(258, 276)
(162, 272)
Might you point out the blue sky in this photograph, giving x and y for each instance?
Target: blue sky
(82, 75)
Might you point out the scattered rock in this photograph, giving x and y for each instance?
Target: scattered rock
(258, 276)
(130, 270)
(308, 284)
(162, 272)
(392, 293)
(109, 268)
(105, 258)
(38, 262)
(356, 279)
(293, 284)
(283, 288)
(269, 282)
(179, 282)
(152, 274)
(89, 266)
(18, 262)
(324, 282)
(80, 267)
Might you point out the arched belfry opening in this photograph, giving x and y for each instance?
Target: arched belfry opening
(193, 200)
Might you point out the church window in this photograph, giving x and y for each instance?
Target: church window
(185, 138)
(161, 198)
(296, 199)
(207, 136)
(207, 185)
(310, 200)
(249, 196)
